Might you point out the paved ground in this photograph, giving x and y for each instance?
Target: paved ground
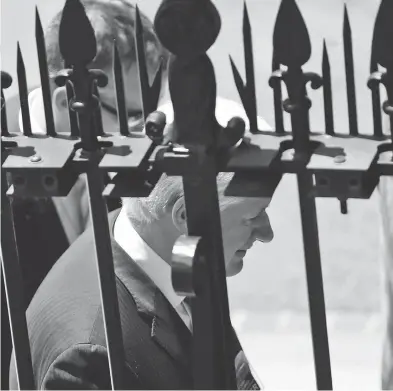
(284, 361)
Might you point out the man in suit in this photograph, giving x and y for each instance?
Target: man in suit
(65, 318)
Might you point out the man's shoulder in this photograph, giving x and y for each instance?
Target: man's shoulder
(66, 310)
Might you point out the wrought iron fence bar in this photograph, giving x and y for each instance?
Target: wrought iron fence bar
(350, 75)
(141, 60)
(375, 92)
(13, 284)
(44, 76)
(315, 290)
(72, 116)
(210, 312)
(250, 74)
(277, 100)
(120, 95)
(292, 47)
(107, 278)
(192, 86)
(382, 54)
(4, 124)
(76, 25)
(97, 117)
(376, 102)
(327, 92)
(99, 216)
(23, 93)
(6, 341)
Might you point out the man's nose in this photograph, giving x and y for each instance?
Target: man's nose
(261, 228)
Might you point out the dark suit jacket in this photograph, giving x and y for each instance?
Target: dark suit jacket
(67, 335)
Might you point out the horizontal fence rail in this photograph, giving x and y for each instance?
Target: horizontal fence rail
(329, 164)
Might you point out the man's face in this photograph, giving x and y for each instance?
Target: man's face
(243, 221)
(133, 102)
(108, 104)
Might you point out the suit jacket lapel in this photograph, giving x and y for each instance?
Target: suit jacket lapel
(167, 328)
(170, 332)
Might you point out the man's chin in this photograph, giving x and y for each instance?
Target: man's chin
(234, 267)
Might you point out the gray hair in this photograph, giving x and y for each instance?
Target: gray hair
(167, 191)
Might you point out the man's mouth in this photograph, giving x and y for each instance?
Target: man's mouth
(241, 253)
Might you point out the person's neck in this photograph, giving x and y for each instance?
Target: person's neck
(160, 240)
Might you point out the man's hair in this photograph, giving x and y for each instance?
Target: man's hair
(111, 20)
(163, 197)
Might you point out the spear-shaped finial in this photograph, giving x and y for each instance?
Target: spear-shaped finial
(150, 94)
(6, 81)
(350, 75)
(382, 53)
(43, 66)
(23, 92)
(247, 90)
(77, 40)
(327, 91)
(292, 48)
(291, 41)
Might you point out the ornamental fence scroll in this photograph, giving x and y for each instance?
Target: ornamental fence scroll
(326, 164)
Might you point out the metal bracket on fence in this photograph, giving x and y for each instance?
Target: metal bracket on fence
(326, 165)
(188, 265)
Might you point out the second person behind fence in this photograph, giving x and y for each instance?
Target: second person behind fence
(63, 219)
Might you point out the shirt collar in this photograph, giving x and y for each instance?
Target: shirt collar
(148, 260)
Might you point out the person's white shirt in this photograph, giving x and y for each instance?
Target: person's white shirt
(150, 262)
(73, 210)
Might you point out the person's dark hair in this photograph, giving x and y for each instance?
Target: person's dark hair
(111, 20)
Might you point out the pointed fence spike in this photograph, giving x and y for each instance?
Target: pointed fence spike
(23, 92)
(72, 116)
(4, 122)
(97, 117)
(238, 81)
(375, 93)
(44, 75)
(251, 107)
(6, 82)
(350, 75)
(141, 60)
(327, 91)
(277, 98)
(155, 88)
(383, 28)
(382, 54)
(291, 41)
(75, 27)
(120, 95)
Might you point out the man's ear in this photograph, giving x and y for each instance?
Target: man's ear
(59, 99)
(179, 215)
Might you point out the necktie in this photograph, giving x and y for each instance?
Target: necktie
(184, 310)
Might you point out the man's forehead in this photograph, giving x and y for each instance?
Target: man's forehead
(249, 186)
(246, 205)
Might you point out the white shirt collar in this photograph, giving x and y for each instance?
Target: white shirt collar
(150, 262)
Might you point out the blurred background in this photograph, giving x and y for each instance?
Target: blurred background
(268, 299)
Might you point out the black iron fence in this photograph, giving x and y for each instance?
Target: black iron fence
(327, 164)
